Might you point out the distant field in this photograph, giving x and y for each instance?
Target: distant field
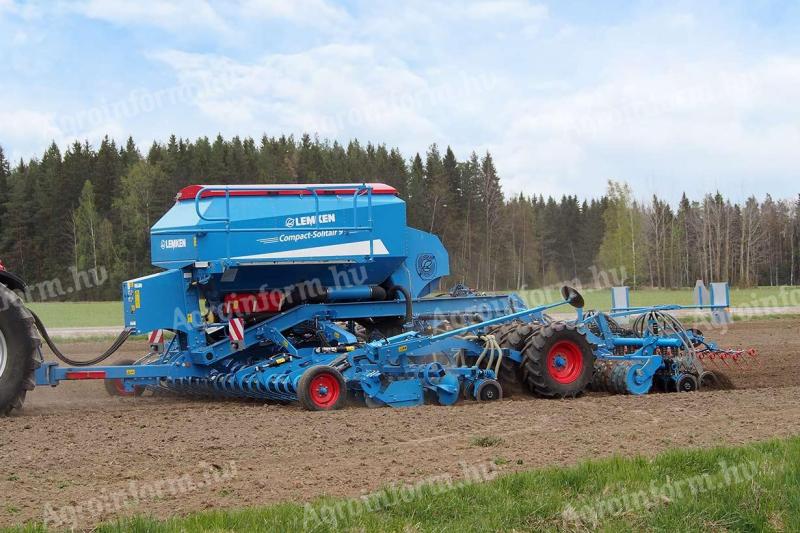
(79, 314)
(108, 314)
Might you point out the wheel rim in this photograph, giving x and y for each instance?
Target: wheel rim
(565, 362)
(3, 353)
(119, 386)
(687, 384)
(325, 390)
(489, 392)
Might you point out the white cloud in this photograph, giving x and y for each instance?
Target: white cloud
(334, 90)
(27, 11)
(696, 121)
(23, 124)
(176, 15)
(514, 12)
(22, 128)
(317, 13)
(226, 20)
(662, 97)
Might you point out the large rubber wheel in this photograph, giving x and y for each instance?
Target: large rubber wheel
(19, 351)
(558, 361)
(322, 388)
(114, 387)
(515, 336)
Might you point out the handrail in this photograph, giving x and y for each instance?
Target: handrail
(359, 191)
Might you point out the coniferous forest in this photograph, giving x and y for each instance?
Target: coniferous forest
(92, 207)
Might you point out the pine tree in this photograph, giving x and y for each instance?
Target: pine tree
(5, 172)
(96, 207)
(491, 199)
(416, 194)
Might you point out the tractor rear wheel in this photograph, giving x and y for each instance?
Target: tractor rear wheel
(19, 351)
(514, 336)
(558, 361)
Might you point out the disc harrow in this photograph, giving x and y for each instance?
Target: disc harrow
(656, 353)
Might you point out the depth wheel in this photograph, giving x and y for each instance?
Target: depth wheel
(19, 351)
(687, 383)
(489, 390)
(115, 387)
(558, 361)
(322, 388)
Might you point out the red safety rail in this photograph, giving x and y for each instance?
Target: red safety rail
(321, 189)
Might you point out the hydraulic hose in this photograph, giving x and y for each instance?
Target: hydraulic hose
(123, 336)
(391, 294)
(656, 322)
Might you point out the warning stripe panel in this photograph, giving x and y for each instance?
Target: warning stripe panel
(157, 336)
(236, 329)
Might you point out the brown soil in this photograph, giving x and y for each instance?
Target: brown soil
(73, 443)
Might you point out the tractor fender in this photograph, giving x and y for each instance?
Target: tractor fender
(12, 281)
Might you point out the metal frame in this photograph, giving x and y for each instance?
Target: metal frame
(393, 371)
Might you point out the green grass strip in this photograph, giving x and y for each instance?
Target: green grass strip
(750, 488)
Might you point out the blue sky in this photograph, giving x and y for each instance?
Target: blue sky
(685, 96)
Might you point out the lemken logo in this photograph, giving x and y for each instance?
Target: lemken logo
(173, 244)
(310, 220)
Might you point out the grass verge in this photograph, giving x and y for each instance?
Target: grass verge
(79, 314)
(750, 488)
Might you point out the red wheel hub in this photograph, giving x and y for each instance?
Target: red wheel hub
(325, 390)
(120, 387)
(565, 362)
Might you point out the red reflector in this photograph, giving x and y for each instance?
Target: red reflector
(85, 374)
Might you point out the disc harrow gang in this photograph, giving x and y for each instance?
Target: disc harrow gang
(656, 353)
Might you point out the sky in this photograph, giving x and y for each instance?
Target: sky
(672, 97)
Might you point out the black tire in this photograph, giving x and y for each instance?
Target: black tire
(547, 382)
(21, 355)
(308, 389)
(488, 391)
(687, 383)
(114, 386)
(513, 335)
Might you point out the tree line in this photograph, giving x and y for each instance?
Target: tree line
(92, 208)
